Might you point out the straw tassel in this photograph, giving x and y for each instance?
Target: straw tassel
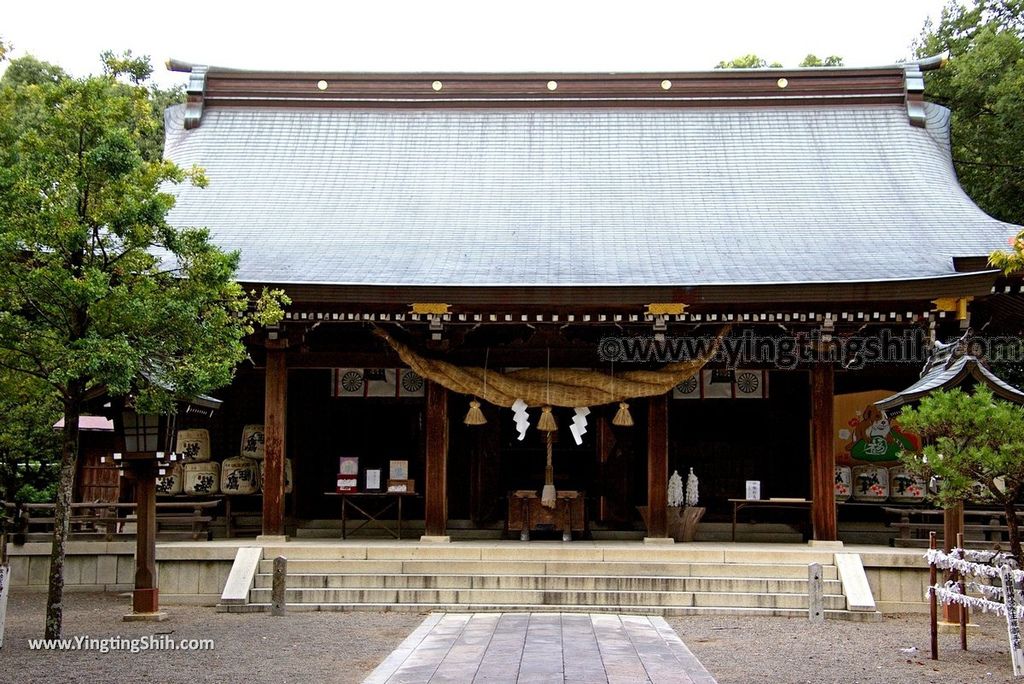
(548, 495)
(475, 416)
(623, 417)
(547, 420)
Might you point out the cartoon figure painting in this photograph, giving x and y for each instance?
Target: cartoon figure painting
(870, 436)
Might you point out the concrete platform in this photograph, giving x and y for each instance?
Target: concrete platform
(541, 647)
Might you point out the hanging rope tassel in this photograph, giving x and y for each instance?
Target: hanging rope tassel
(548, 496)
(623, 417)
(547, 420)
(475, 416)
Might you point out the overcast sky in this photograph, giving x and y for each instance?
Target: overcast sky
(526, 35)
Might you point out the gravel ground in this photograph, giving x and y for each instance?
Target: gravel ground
(301, 647)
(345, 647)
(791, 650)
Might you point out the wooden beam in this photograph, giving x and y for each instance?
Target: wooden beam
(275, 418)
(436, 487)
(823, 458)
(657, 466)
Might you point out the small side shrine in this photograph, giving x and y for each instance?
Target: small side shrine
(950, 365)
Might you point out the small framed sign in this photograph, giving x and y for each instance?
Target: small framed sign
(753, 489)
(373, 479)
(348, 465)
(398, 470)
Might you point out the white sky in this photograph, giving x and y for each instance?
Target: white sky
(485, 35)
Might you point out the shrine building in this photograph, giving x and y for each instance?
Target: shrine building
(455, 242)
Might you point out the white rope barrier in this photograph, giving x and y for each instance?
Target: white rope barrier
(955, 560)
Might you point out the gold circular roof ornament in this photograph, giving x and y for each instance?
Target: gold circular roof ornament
(437, 85)
(552, 85)
(321, 85)
(666, 84)
(782, 82)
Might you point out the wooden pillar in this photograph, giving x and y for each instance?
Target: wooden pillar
(657, 466)
(952, 525)
(274, 426)
(145, 597)
(436, 487)
(823, 458)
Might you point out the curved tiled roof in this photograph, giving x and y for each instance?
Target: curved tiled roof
(641, 196)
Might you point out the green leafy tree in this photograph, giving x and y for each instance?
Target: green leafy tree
(968, 439)
(29, 447)
(983, 85)
(812, 60)
(95, 287)
(750, 61)
(28, 70)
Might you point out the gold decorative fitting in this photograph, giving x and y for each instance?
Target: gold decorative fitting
(429, 308)
(666, 84)
(782, 82)
(321, 85)
(953, 304)
(666, 309)
(552, 85)
(437, 85)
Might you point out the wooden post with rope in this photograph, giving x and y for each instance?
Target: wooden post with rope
(933, 601)
(963, 590)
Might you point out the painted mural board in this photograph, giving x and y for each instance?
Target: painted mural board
(863, 434)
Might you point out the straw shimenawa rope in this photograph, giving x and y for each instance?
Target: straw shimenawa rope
(553, 387)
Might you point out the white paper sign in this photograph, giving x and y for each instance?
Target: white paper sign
(1011, 598)
(753, 489)
(5, 581)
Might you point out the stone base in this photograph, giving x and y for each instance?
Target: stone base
(429, 539)
(954, 627)
(822, 544)
(159, 616)
(272, 538)
(659, 540)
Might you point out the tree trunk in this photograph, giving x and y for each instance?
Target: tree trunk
(62, 511)
(1010, 507)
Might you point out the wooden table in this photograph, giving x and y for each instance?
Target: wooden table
(526, 512)
(739, 504)
(396, 501)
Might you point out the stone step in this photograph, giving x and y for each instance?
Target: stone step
(546, 582)
(674, 611)
(516, 552)
(302, 566)
(547, 598)
(365, 534)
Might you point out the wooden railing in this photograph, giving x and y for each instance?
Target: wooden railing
(109, 521)
(915, 524)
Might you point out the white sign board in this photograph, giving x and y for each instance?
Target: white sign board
(1011, 598)
(753, 489)
(5, 582)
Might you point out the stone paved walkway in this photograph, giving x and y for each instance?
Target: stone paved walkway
(536, 648)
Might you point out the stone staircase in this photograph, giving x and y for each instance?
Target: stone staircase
(586, 577)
